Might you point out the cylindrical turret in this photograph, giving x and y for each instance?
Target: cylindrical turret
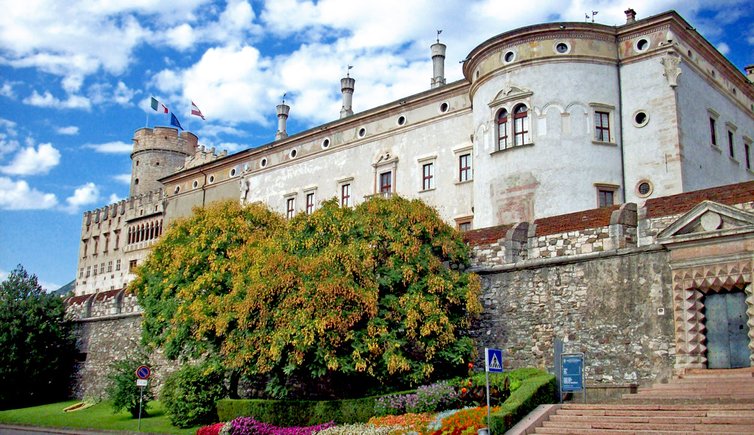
(282, 110)
(346, 87)
(158, 153)
(438, 64)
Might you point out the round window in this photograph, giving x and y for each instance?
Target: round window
(444, 107)
(642, 44)
(326, 143)
(640, 118)
(263, 162)
(644, 188)
(562, 48)
(232, 172)
(509, 57)
(401, 120)
(211, 178)
(362, 132)
(195, 184)
(177, 189)
(293, 153)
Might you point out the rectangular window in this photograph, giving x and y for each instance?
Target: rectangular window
(109, 266)
(107, 242)
(464, 226)
(117, 240)
(747, 155)
(606, 197)
(345, 195)
(94, 270)
(102, 268)
(117, 265)
(386, 182)
(602, 126)
(81, 272)
(132, 266)
(96, 245)
(464, 167)
(731, 150)
(712, 131)
(88, 271)
(290, 207)
(428, 176)
(310, 203)
(86, 247)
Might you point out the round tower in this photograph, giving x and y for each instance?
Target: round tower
(157, 153)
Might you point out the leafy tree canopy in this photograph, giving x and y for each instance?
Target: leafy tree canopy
(37, 343)
(367, 294)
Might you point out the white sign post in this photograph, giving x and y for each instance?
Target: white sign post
(142, 373)
(493, 362)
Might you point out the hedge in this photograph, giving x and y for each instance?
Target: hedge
(286, 413)
(533, 392)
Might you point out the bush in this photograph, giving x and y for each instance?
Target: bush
(189, 395)
(431, 398)
(533, 392)
(122, 389)
(298, 412)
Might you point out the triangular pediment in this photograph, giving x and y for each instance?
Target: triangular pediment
(705, 219)
(510, 93)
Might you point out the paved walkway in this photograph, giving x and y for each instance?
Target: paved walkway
(30, 430)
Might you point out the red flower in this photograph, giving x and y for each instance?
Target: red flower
(463, 390)
(471, 365)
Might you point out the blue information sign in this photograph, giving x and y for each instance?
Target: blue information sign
(572, 375)
(493, 360)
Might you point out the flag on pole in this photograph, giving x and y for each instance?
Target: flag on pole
(158, 107)
(195, 111)
(174, 121)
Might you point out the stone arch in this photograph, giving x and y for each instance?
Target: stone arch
(576, 119)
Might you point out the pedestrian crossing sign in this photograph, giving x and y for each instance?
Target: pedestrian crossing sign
(493, 360)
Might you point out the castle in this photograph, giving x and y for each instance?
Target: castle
(583, 161)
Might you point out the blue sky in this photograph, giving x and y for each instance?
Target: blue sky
(76, 78)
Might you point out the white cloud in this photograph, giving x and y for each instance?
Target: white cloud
(31, 161)
(48, 100)
(123, 178)
(8, 141)
(6, 90)
(116, 147)
(70, 130)
(113, 198)
(723, 48)
(17, 195)
(83, 195)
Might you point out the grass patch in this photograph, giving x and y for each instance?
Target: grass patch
(99, 416)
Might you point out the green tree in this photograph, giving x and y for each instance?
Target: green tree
(122, 390)
(38, 346)
(373, 292)
(190, 394)
(354, 297)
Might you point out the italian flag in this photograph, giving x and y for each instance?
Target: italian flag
(158, 107)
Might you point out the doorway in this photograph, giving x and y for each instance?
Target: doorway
(727, 330)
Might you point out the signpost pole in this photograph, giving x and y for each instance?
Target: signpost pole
(141, 398)
(489, 421)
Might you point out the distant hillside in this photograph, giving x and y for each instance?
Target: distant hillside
(63, 291)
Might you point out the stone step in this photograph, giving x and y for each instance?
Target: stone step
(650, 426)
(647, 417)
(579, 431)
(660, 406)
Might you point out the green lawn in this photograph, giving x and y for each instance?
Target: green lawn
(99, 416)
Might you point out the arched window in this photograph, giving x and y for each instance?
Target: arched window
(521, 125)
(502, 130)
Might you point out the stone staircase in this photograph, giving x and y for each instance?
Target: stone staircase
(700, 401)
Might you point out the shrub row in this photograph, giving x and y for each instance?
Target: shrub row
(533, 392)
(298, 412)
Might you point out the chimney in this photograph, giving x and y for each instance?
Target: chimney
(630, 16)
(282, 110)
(438, 62)
(749, 72)
(346, 87)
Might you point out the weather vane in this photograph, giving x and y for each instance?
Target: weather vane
(586, 16)
(438, 36)
(284, 94)
(348, 71)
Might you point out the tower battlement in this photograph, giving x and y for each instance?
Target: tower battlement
(157, 153)
(165, 139)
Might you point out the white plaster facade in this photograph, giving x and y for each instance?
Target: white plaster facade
(564, 74)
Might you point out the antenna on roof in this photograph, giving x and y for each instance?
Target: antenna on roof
(438, 36)
(284, 94)
(348, 71)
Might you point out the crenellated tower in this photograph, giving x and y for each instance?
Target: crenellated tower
(157, 153)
